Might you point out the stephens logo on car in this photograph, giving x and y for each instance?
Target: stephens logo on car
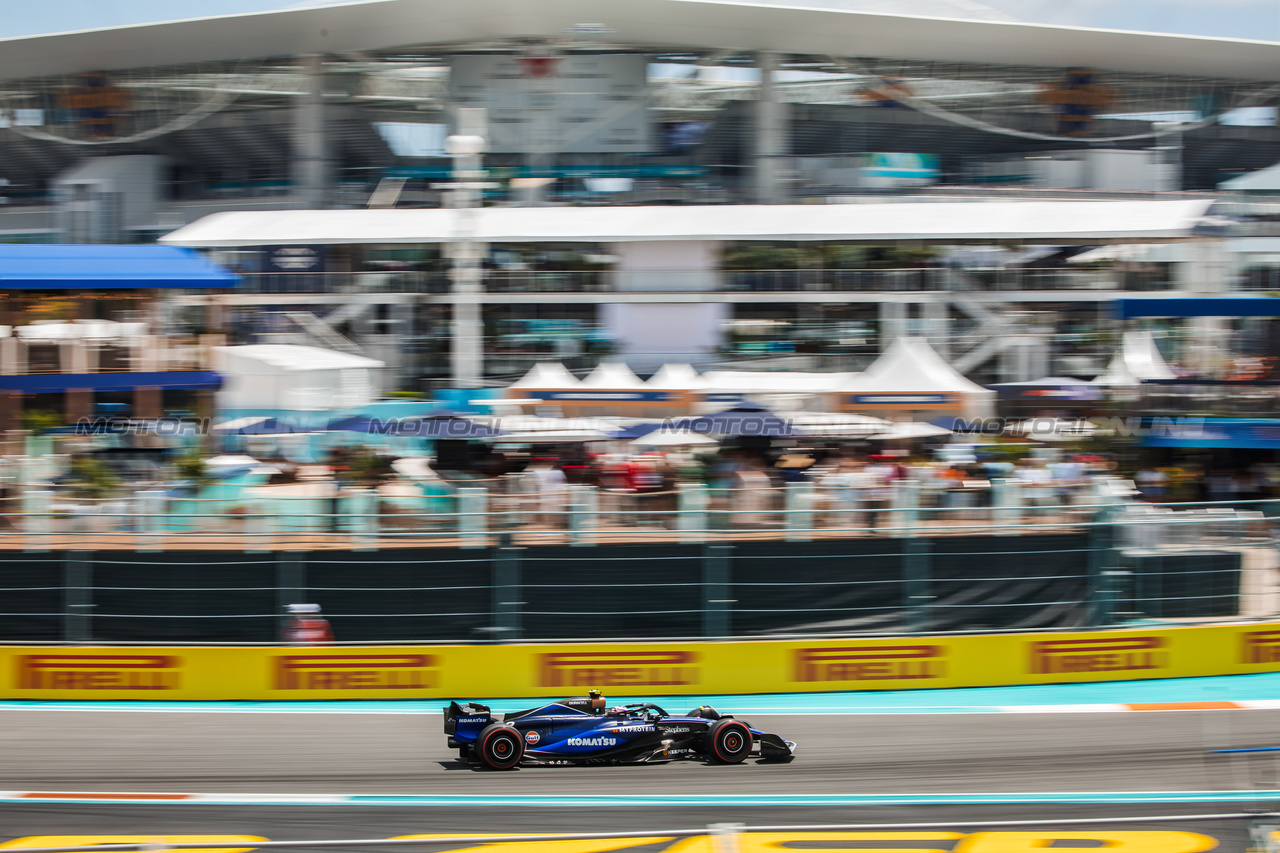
(593, 741)
(532, 737)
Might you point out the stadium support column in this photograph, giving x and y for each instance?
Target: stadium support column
(466, 146)
(770, 133)
(893, 322)
(1204, 273)
(310, 157)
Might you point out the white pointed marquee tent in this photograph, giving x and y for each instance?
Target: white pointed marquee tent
(676, 377)
(611, 389)
(1139, 358)
(910, 378)
(545, 376)
(614, 375)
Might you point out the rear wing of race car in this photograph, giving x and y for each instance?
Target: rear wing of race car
(463, 723)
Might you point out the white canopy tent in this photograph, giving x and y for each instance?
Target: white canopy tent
(911, 376)
(1057, 222)
(612, 374)
(547, 375)
(676, 377)
(294, 378)
(1262, 181)
(1139, 358)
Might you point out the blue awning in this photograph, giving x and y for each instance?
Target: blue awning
(1225, 433)
(100, 267)
(1197, 306)
(53, 383)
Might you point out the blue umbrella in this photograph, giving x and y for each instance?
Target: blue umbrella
(254, 426)
(637, 431)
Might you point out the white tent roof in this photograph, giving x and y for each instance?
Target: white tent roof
(774, 381)
(546, 375)
(612, 374)
(911, 366)
(1059, 222)
(676, 377)
(1139, 358)
(1119, 252)
(353, 28)
(1263, 180)
(287, 357)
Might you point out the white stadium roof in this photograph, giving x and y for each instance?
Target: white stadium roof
(1061, 222)
(352, 28)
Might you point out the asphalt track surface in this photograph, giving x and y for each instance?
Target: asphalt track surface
(838, 754)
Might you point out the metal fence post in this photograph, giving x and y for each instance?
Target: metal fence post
(906, 508)
(256, 528)
(507, 591)
(364, 507)
(77, 578)
(916, 594)
(584, 504)
(1104, 576)
(800, 499)
(36, 519)
(151, 506)
(473, 504)
(717, 586)
(291, 583)
(692, 518)
(1007, 498)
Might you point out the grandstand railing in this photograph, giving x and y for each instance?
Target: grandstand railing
(605, 280)
(687, 563)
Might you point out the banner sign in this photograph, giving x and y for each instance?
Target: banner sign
(604, 396)
(765, 666)
(898, 399)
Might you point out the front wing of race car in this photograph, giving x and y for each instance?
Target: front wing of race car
(558, 734)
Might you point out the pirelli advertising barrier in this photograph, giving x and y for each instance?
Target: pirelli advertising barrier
(420, 672)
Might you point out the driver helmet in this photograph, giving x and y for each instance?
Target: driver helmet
(597, 701)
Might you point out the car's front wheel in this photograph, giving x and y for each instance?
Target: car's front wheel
(500, 747)
(730, 741)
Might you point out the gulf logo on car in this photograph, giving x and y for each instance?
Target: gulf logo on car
(532, 738)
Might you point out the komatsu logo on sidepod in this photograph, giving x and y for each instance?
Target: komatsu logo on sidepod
(593, 741)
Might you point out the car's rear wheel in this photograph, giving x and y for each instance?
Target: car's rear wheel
(500, 747)
(730, 741)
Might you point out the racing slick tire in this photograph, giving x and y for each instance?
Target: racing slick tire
(500, 747)
(729, 741)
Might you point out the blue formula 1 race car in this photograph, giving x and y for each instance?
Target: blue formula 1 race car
(582, 731)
